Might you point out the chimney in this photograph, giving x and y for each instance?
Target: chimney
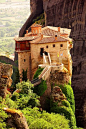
(26, 31)
(55, 37)
(58, 29)
(41, 36)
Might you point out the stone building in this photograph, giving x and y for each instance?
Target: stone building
(49, 43)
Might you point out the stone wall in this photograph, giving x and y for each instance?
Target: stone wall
(24, 61)
(5, 78)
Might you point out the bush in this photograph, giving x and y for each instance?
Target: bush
(41, 88)
(10, 103)
(38, 72)
(68, 91)
(44, 120)
(41, 124)
(64, 110)
(26, 96)
(3, 115)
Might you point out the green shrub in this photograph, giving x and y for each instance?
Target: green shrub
(40, 19)
(44, 120)
(65, 103)
(64, 110)
(3, 115)
(10, 103)
(41, 124)
(26, 97)
(68, 91)
(24, 75)
(38, 72)
(41, 88)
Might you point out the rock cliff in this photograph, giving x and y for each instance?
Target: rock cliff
(68, 14)
(36, 7)
(16, 119)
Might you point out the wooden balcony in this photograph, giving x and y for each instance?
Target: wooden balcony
(22, 46)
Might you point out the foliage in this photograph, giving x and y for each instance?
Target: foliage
(24, 75)
(44, 120)
(10, 103)
(41, 88)
(26, 96)
(3, 115)
(40, 19)
(15, 78)
(64, 110)
(17, 75)
(38, 72)
(68, 91)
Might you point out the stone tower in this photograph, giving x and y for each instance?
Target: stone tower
(24, 55)
(24, 61)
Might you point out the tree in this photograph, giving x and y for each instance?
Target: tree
(24, 75)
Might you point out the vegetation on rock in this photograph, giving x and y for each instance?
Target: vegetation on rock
(38, 72)
(38, 120)
(40, 20)
(68, 91)
(26, 97)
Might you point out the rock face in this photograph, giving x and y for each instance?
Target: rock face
(36, 10)
(5, 78)
(72, 14)
(68, 14)
(17, 119)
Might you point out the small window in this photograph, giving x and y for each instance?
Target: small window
(24, 60)
(61, 45)
(46, 46)
(53, 45)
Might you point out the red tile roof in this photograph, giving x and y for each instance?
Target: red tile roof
(26, 38)
(52, 39)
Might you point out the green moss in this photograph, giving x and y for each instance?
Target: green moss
(44, 120)
(66, 111)
(38, 72)
(41, 88)
(68, 91)
(40, 19)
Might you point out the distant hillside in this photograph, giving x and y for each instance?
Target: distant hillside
(4, 1)
(12, 17)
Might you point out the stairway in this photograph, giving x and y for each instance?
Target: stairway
(45, 69)
(54, 58)
(45, 59)
(36, 81)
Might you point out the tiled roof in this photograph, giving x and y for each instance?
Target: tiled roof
(49, 39)
(49, 32)
(25, 38)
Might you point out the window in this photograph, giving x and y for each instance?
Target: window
(61, 45)
(53, 45)
(46, 46)
(41, 51)
(24, 60)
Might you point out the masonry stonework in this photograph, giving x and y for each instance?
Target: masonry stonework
(24, 62)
